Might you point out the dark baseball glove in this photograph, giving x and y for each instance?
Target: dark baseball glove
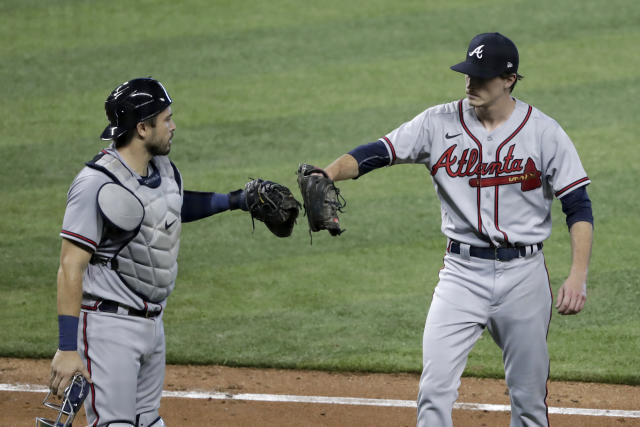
(273, 204)
(321, 198)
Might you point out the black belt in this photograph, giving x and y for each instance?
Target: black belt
(498, 254)
(109, 306)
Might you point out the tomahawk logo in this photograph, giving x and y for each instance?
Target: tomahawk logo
(477, 51)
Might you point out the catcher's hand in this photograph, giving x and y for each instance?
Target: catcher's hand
(322, 200)
(273, 204)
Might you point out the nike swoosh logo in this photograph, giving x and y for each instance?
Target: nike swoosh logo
(167, 225)
(452, 136)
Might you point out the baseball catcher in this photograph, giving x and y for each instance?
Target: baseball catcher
(119, 255)
(322, 199)
(273, 204)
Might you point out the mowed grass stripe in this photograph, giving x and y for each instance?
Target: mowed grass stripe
(260, 87)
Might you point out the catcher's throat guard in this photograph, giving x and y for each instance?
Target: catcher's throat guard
(72, 400)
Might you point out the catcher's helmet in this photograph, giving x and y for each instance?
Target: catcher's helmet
(133, 102)
(72, 400)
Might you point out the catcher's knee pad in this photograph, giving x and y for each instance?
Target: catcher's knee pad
(150, 419)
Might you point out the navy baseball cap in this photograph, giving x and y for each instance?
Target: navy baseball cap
(489, 55)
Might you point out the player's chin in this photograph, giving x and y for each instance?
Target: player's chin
(166, 148)
(474, 100)
(160, 150)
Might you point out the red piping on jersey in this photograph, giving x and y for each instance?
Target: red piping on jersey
(546, 336)
(568, 187)
(77, 236)
(502, 144)
(393, 150)
(86, 355)
(93, 307)
(466, 129)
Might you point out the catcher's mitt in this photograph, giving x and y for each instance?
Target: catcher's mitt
(273, 204)
(322, 200)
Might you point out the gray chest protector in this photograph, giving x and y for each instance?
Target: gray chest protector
(150, 217)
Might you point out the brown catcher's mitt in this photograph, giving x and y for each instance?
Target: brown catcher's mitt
(273, 204)
(322, 200)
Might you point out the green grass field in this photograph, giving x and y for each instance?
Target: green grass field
(259, 87)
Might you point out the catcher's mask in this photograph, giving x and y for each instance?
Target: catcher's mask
(133, 102)
(71, 403)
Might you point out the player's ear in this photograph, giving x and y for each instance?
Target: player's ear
(509, 80)
(143, 129)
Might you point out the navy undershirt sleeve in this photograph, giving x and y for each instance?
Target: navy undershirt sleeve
(197, 205)
(370, 156)
(577, 206)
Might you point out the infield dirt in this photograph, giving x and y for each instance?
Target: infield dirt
(21, 408)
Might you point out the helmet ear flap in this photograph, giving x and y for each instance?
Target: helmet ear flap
(68, 408)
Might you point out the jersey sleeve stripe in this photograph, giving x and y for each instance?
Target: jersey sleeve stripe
(570, 186)
(79, 238)
(392, 150)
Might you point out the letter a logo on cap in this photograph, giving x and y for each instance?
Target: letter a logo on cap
(477, 51)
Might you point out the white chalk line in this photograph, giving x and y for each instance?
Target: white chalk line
(286, 398)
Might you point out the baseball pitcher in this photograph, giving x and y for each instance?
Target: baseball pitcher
(496, 164)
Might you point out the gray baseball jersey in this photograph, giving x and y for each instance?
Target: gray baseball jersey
(495, 188)
(84, 224)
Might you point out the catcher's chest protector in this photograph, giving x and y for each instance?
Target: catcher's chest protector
(148, 263)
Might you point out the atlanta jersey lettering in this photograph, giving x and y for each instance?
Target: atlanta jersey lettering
(495, 188)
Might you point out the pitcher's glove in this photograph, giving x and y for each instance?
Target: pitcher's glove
(321, 198)
(273, 204)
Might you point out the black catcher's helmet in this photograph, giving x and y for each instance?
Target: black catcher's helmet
(133, 102)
